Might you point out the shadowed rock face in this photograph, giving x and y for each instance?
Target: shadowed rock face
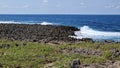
(36, 32)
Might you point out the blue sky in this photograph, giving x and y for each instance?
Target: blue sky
(59, 6)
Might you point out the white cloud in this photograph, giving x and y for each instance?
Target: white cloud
(117, 7)
(113, 6)
(58, 5)
(25, 6)
(110, 6)
(45, 1)
(82, 5)
(4, 6)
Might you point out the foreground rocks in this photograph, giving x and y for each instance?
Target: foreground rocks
(36, 32)
(76, 64)
(109, 64)
(82, 51)
(115, 53)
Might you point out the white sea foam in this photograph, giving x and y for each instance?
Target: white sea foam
(46, 23)
(10, 22)
(87, 32)
(13, 22)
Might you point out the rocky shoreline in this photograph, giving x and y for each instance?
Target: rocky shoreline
(36, 32)
(40, 33)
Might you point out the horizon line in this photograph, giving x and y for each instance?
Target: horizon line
(56, 14)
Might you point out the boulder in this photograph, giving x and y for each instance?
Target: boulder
(76, 64)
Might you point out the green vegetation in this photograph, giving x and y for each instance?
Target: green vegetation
(36, 55)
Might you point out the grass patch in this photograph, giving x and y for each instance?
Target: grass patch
(36, 55)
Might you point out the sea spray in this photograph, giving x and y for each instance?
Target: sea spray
(87, 32)
(46, 23)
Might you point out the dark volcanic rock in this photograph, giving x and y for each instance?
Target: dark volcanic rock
(36, 32)
(76, 64)
(1, 66)
(87, 39)
(4, 45)
(108, 64)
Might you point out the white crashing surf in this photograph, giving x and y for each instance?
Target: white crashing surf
(87, 32)
(10, 22)
(46, 23)
(14, 22)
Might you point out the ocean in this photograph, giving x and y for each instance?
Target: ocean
(97, 27)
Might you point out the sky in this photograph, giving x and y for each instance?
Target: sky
(59, 6)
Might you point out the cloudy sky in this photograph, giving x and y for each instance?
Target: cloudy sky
(59, 6)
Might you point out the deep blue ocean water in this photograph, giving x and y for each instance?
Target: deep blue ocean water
(98, 27)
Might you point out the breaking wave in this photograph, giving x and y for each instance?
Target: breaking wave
(87, 32)
(13, 22)
(10, 22)
(46, 23)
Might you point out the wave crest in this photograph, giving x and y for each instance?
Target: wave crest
(87, 32)
(10, 22)
(14, 22)
(46, 23)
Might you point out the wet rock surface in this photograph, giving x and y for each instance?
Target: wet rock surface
(36, 32)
